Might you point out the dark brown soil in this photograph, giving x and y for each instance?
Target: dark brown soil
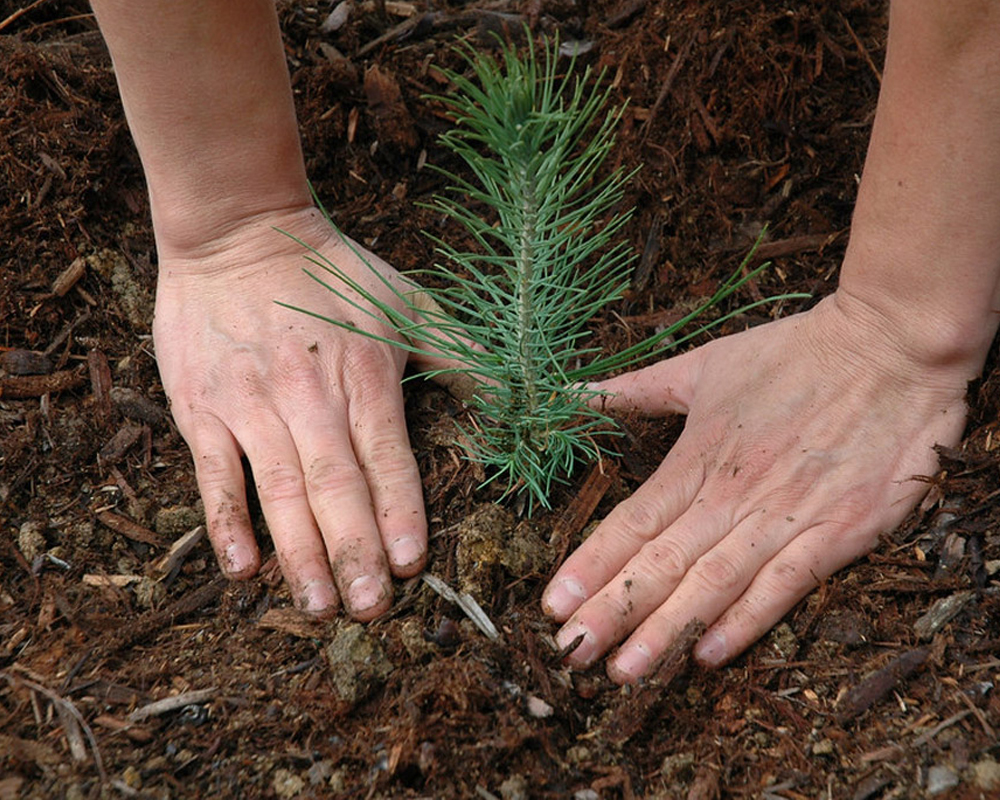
(741, 113)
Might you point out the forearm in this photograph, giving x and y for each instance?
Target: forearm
(208, 101)
(925, 241)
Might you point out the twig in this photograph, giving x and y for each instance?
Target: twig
(168, 704)
(19, 13)
(131, 530)
(978, 712)
(67, 711)
(927, 736)
(464, 601)
(862, 49)
(668, 82)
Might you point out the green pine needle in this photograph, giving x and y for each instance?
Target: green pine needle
(513, 314)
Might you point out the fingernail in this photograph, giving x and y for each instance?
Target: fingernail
(585, 652)
(364, 592)
(404, 551)
(711, 649)
(633, 660)
(565, 597)
(238, 559)
(317, 595)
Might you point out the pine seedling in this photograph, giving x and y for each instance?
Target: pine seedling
(513, 313)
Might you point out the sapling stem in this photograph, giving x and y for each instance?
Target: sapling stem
(512, 314)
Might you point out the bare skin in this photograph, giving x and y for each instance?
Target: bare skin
(804, 436)
(317, 412)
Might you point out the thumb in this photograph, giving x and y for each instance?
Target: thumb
(666, 387)
(461, 385)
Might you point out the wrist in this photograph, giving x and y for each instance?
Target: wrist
(936, 325)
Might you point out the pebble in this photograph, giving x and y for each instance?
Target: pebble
(358, 663)
(987, 774)
(31, 540)
(287, 784)
(514, 788)
(538, 708)
(175, 521)
(824, 747)
(941, 778)
(320, 772)
(132, 777)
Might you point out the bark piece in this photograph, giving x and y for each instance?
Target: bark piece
(880, 683)
(941, 613)
(25, 362)
(68, 278)
(390, 117)
(630, 714)
(22, 387)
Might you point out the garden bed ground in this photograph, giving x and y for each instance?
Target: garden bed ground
(741, 113)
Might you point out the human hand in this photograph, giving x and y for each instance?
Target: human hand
(317, 411)
(802, 443)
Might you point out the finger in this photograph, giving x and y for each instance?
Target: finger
(281, 488)
(378, 433)
(788, 577)
(681, 573)
(666, 387)
(335, 493)
(713, 584)
(629, 527)
(219, 473)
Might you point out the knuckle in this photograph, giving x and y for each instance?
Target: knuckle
(280, 481)
(791, 574)
(331, 475)
(639, 517)
(720, 573)
(213, 470)
(666, 560)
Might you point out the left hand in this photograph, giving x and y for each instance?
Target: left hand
(803, 442)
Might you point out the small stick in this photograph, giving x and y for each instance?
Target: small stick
(168, 704)
(464, 601)
(19, 13)
(668, 82)
(581, 507)
(179, 550)
(131, 530)
(862, 49)
(64, 706)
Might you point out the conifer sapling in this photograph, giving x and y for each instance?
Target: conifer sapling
(513, 312)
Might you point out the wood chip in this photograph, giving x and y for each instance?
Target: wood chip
(25, 362)
(632, 710)
(877, 685)
(22, 387)
(941, 613)
(102, 581)
(68, 278)
(293, 622)
(179, 550)
(168, 704)
(132, 530)
(100, 384)
(392, 121)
